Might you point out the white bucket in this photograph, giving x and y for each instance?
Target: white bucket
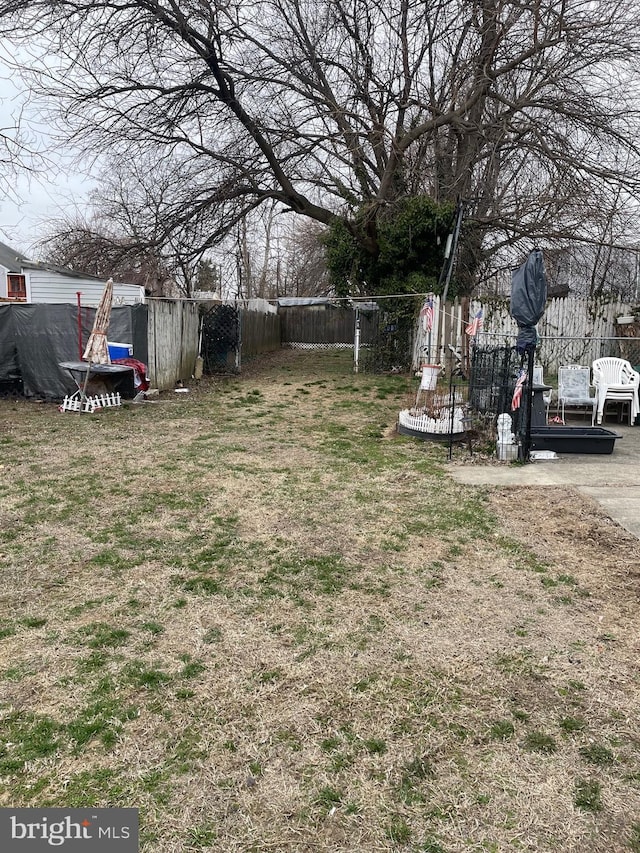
(507, 452)
(429, 377)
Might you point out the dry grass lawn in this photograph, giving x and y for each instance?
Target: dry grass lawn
(259, 617)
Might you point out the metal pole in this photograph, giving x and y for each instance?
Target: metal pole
(452, 410)
(451, 251)
(238, 355)
(447, 269)
(356, 341)
(528, 398)
(78, 297)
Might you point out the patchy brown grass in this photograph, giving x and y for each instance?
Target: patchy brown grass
(252, 613)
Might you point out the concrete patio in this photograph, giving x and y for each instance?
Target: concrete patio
(613, 480)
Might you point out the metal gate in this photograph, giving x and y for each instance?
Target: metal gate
(220, 345)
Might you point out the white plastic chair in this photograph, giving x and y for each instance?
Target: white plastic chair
(574, 389)
(616, 380)
(538, 379)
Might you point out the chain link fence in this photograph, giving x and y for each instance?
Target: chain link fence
(392, 339)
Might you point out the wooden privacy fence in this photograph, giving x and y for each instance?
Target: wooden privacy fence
(323, 325)
(259, 333)
(172, 341)
(571, 331)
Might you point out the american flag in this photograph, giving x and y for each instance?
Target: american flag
(517, 391)
(426, 312)
(475, 325)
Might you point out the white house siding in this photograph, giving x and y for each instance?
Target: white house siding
(53, 287)
(3, 282)
(261, 306)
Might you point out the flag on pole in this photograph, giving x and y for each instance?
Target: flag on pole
(426, 312)
(517, 391)
(475, 325)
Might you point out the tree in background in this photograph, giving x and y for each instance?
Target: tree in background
(125, 234)
(208, 277)
(301, 267)
(411, 235)
(340, 112)
(20, 150)
(89, 247)
(279, 255)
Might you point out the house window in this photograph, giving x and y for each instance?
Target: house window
(16, 286)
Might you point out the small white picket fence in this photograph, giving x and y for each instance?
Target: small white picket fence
(75, 403)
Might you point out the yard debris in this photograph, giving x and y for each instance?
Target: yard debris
(543, 455)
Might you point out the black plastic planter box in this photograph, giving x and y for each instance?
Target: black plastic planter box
(573, 439)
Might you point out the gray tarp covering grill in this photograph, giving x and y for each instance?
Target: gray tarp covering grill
(34, 339)
(528, 298)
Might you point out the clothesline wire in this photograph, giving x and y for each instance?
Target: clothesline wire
(373, 298)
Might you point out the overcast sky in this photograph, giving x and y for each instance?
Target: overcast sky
(39, 201)
(44, 196)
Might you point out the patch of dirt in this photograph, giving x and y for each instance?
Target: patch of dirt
(562, 525)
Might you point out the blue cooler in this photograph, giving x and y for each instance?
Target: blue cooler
(118, 350)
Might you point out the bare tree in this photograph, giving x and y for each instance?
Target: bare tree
(302, 270)
(334, 110)
(125, 234)
(20, 154)
(278, 255)
(90, 247)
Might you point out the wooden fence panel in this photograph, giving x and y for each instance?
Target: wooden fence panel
(173, 341)
(317, 325)
(572, 330)
(260, 332)
(190, 335)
